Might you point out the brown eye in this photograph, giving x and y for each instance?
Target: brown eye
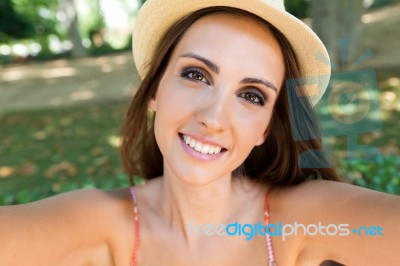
(253, 96)
(197, 76)
(194, 74)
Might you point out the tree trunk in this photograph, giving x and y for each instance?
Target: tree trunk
(71, 22)
(338, 24)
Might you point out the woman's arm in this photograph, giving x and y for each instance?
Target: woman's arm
(356, 226)
(69, 229)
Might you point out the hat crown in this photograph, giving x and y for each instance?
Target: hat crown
(156, 17)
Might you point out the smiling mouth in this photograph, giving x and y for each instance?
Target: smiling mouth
(200, 147)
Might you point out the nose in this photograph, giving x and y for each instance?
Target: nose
(214, 112)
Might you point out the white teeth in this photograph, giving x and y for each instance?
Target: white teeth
(205, 149)
(212, 150)
(192, 143)
(200, 147)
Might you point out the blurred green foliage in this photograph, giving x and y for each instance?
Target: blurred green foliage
(94, 21)
(382, 176)
(379, 3)
(12, 23)
(35, 21)
(40, 13)
(298, 8)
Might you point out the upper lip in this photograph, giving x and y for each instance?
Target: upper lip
(203, 139)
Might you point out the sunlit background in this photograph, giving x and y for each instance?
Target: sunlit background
(67, 74)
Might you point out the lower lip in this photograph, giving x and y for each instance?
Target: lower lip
(198, 155)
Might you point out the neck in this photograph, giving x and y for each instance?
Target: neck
(189, 207)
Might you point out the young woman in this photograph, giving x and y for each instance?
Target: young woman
(210, 128)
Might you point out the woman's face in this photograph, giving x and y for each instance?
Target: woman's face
(215, 100)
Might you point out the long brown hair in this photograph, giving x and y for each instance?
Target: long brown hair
(276, 162)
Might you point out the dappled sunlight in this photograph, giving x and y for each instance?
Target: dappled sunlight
(388, 96)
(40, 135)
(66, 82)
(106, 68)
(59, 72)
(114, 141)
(25, 72)
(6, 171)
(81, 95)
(13, 75)
(394, 81)
(369, 18)
(64, 68)
(379, 109)
(380, 15)
(101, 60)
(75, 96)
(60, 63)
(120, 60)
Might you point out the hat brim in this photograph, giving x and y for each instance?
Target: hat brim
(156, 17)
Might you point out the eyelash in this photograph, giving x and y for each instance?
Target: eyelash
(253, 92)
(194, 70)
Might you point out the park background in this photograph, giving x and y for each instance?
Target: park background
(67, 76)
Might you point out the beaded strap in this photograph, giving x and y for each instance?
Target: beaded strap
(270, 249)
(136, 219)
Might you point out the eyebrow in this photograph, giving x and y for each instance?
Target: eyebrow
(215, 69)
(205, 61)
(266, 83)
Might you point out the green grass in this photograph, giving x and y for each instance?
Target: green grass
(45, 152)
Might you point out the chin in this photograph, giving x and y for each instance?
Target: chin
(196, 176)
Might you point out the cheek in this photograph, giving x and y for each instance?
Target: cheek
(173, 101)
(174, 105)
(251, 128)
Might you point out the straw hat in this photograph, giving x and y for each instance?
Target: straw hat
(156, 17)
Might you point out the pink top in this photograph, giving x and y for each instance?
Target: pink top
(270, 250)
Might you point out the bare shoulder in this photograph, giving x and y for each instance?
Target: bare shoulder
(111, 212)
(316, 192)
(83, 198)
(91, 206)
(71, 227)
(367, 219)
(322, 199)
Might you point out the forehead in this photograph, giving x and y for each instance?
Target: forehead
(236, 42)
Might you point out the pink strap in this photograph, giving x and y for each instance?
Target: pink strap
(136, 219)
(270, 249)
